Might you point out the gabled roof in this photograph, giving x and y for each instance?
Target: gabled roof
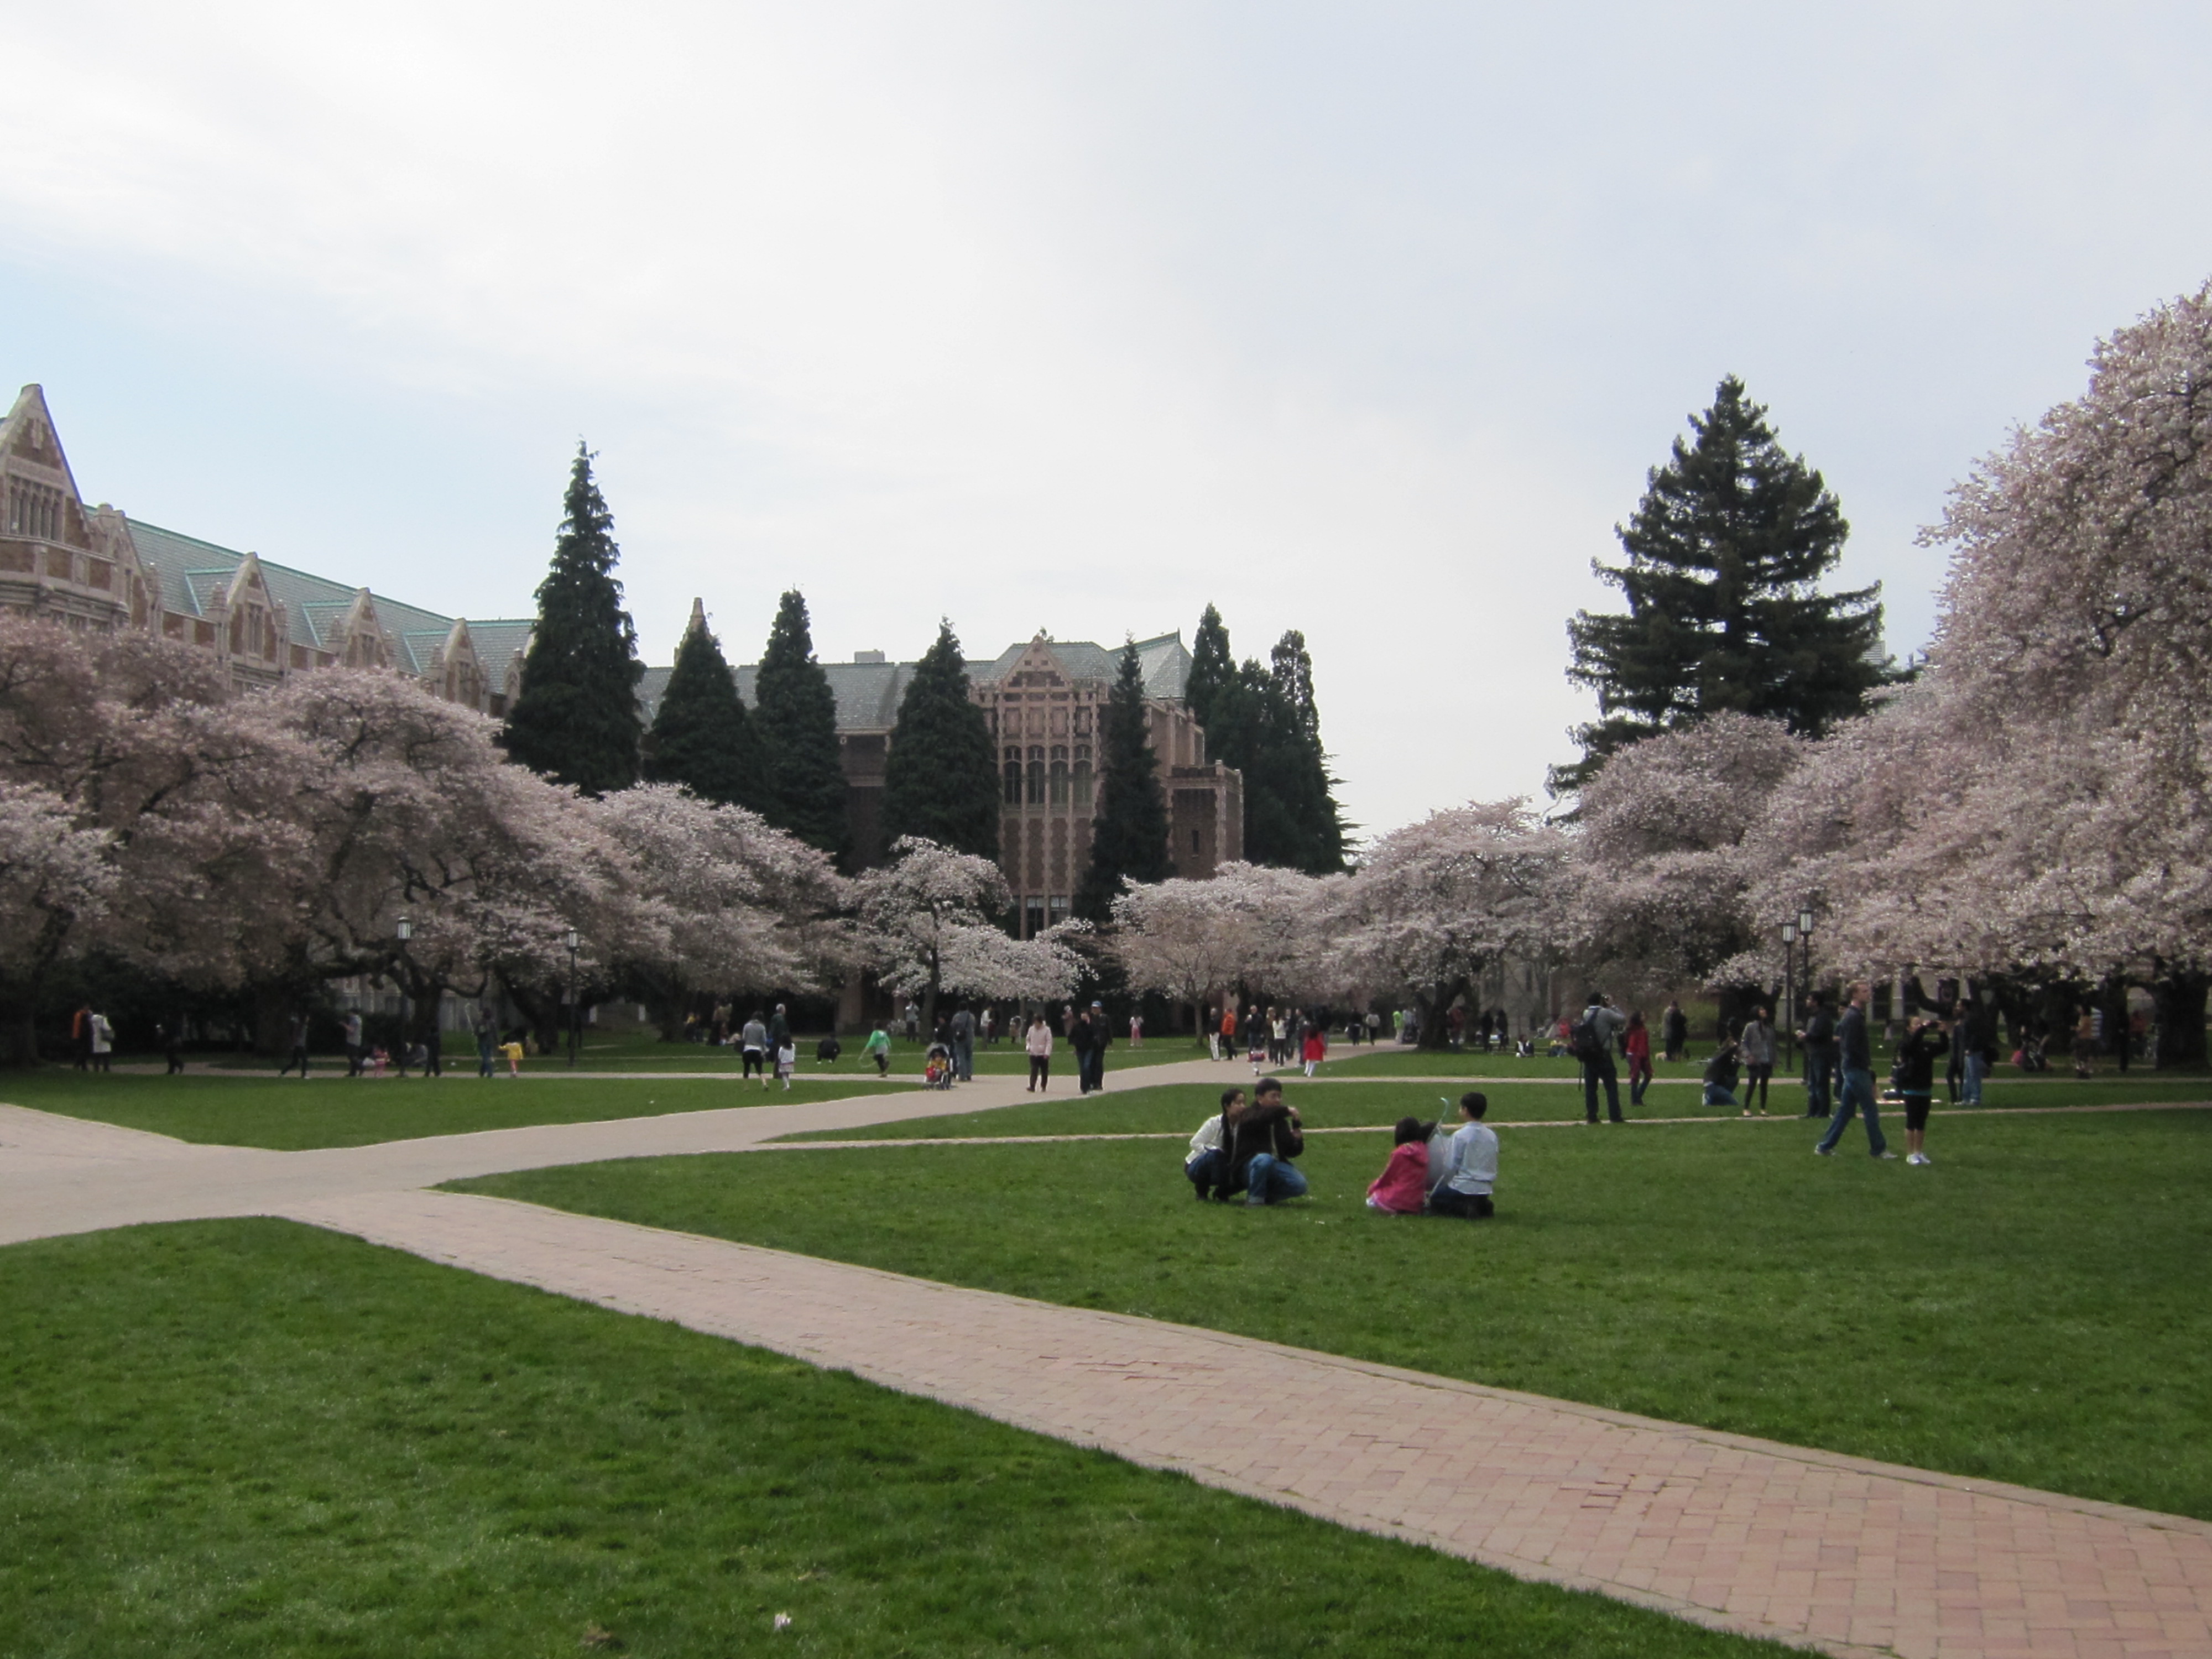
(316, 608)
(1166, 662)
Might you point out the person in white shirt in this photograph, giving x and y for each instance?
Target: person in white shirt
(1472, 1169)
(1203, 1161)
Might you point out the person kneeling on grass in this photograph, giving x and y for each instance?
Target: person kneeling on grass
(1721, 1075)
(1472, 1170)
(1259, 1144)
(1201, 1165)
(1403, 1186)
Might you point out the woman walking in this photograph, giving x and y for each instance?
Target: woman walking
(1757, 1046)
(1636, 1042)
(1039, 1047)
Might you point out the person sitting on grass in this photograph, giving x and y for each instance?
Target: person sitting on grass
(1721, 1075)
(1259, 1143)
(1472, 1171)
(878, 1048)
(1403, 1186)
(512, 1050)
(1202, 1163)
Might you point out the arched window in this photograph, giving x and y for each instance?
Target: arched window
(1059, 774)
(1013, 777)
(1082, 777)
(1036, 777)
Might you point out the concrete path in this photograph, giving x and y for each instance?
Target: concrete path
(1837, 1552)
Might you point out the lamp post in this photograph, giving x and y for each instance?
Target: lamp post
(1805, 938)
(402, 930)
(575, 1014)
(1790, 992)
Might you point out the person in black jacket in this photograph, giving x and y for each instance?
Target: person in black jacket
(1916, 1081)
(1857, 1053)
(1819, 1037)
(1257, 1145)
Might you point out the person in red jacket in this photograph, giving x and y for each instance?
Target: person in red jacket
(1636, 1042)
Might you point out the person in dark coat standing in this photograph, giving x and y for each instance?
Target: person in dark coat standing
(964, 1045)
(1674, 1027)
(1819, 1037)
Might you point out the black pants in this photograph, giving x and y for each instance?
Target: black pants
(1475, 1206)
(1040, 1071)
(755, 1062)
(1754, 1081)
(1593, 1072)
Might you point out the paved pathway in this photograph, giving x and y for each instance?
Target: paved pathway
(1811, 1547)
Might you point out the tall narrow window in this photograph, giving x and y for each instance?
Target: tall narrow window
(1059, 911)
(1013, 777)
(1059, 774)
(1082, 777)
(1036, 777)
(1033, 915)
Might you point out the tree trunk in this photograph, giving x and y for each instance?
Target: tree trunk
(19, 1032)
(1435, 1011)
(2180, 999)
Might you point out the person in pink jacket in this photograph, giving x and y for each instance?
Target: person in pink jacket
(1403, 1186)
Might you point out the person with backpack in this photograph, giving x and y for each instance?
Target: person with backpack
(1592, 1046)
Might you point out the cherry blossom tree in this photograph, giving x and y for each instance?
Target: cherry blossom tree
(54, 874)
(927, 926)
(730, 903)
(1437, 903)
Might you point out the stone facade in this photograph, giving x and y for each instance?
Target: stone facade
(1043, 701)
(99, 569)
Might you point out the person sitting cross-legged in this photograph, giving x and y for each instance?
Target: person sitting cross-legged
(1260, 1142)
(1473, 1172)
(1403, 1186)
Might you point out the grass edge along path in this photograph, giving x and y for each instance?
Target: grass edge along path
(2027, 1310)
(257, 1438)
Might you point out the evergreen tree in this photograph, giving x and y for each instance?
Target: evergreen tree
(1129, 836)
(1724, 554)
(941, 778)
(576, 718)
(1264, 722)
(795, 723)
(1211, 668)
(700, 737)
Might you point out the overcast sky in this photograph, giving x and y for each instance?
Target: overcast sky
(1364, 320)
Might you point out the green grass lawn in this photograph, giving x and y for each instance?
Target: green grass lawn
(2031, 1309)
(256, 1438)
(288, 1116)
(1391, 1059)
(1325, 1104)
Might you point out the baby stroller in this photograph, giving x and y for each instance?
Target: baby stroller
(937, 1067)
(2030, 1056)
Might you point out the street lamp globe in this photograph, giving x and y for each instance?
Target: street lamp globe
(405, 930)
(1805, 923)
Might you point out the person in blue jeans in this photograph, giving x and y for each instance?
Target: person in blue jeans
(1857, 1057)
(1819, 1037)
(1259, 1143)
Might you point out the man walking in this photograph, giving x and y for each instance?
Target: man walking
(298, 1055)
(1857, 1056)
(1594, 1039)
(964, 1045)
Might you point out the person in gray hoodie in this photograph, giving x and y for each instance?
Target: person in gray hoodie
(1758, 1046)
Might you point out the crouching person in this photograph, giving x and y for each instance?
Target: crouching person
(1259, 1143)
(1472, 1168)
(1203, 1165)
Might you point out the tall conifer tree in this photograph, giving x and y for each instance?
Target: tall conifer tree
(701, 738)
(1212, 668)
(576, 719)
(941, 779)
(795, 721)
(1129, 836)
(1264, 722)
(1724, 554)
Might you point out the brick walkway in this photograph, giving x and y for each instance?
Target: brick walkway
(1810, 1548)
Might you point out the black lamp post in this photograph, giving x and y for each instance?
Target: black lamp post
(402, 931)
(1805, 940)
(1788, 994)
(575, 1014)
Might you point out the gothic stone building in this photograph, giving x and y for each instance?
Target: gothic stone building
(1043, 701)
(97, 568)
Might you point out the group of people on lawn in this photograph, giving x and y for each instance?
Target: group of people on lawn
(1250, 1147)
